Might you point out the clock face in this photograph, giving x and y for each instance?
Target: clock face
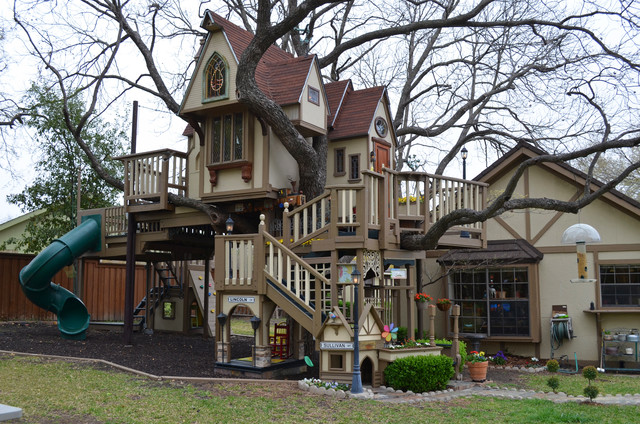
(381, 127)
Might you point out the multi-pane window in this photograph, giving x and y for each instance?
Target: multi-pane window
(339, 162)
(227, 142)
(620, 285)
(215, 77)
(493, 301)
(354, 167)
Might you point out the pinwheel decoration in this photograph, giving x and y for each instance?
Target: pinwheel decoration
(390, 332)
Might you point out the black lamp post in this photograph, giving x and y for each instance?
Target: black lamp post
(222, 320)
(356, 382)
(255, 324)
(464, 152)
(229, 223)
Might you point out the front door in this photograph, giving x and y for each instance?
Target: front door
(382, 156)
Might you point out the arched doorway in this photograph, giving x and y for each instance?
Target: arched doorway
(366, 371)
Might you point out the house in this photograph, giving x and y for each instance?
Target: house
(13, 228)
(512, 291)
(301, 252)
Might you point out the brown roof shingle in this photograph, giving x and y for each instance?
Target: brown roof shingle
(357, 113)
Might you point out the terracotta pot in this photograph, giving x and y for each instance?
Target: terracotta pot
(478, 370)
(443, 306)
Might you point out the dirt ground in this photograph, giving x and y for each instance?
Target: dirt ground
(159, 353)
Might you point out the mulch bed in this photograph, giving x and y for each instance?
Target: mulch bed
(160, 353)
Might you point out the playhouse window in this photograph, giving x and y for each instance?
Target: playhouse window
(314, 96)
(169, 310)
(354, 167)
(493, 301)
(336, 361)
(339, 163)
(215, 78)
(227, 140)
(620, 285)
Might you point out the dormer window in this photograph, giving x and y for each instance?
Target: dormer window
(216, 78)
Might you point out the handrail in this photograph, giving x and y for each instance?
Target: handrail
(151, 176)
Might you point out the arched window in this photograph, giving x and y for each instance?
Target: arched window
(215, 77)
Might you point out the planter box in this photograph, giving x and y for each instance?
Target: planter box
(390, 355)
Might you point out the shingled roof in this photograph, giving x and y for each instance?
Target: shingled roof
(279, 74)
(497, 252)
(356, 113)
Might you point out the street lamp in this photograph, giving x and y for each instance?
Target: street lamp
(255, 324)
(222, 320)
(356, 382)
(464, 152)
(229, 224)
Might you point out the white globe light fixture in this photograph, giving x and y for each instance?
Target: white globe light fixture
(580, 235)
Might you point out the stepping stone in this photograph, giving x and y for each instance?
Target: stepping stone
(9, 412)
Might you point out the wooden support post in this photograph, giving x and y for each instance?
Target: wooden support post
(455, 347)
(432, 325)
(205, 302)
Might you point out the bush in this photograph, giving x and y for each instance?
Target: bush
(419, 373)
(553, 365)
(590, 373)
(554, 383)
(402, 334)
(591, 392)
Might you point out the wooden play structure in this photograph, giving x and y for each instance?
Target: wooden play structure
(300, 256)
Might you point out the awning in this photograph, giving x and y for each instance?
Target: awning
(499, 252)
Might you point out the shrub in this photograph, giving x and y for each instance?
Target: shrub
(590, 373)
(553, 365)
(554, 383)
(402, 334)
(419, 373)
(591, 392)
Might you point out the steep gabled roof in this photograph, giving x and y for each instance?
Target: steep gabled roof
(288, 78)
(279, 74)
(336, 93)
(357, 112)
(523, 151)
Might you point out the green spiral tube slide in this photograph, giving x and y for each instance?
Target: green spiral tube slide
(35, 278)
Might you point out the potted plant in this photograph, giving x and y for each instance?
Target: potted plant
(422, 299)
(477, 363)
(607, 335)
(443, 304)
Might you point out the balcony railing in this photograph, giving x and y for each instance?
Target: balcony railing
(151, 176)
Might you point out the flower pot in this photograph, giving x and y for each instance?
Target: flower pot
(478, 371)
(443, 306)
(422, 305)
(608, 337)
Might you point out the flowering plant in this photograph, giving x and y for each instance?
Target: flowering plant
(499, 358)
(423, 297)
(444, 301)
(475, 356)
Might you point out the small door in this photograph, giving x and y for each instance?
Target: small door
(382, 156)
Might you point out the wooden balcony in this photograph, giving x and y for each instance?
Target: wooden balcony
(149, 178)
(376, 212)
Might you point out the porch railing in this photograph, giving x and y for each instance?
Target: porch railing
(151, 176)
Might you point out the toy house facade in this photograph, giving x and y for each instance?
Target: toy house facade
(301, 252)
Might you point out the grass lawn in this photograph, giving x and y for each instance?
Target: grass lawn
(65, 392)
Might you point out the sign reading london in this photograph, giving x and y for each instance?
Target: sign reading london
(336, 345)
(242, 299)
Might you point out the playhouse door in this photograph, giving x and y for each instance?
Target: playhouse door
(382, 156)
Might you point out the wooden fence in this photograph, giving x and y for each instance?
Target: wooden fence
(102, 290)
